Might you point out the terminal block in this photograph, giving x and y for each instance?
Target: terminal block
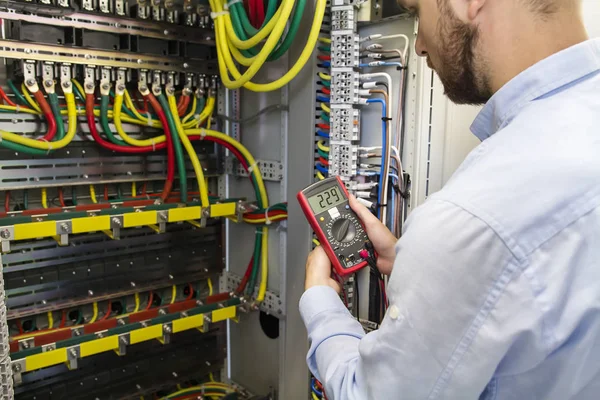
(343, 159)
(344, 86)
(343, 18)
(345, 122)
(345, 49)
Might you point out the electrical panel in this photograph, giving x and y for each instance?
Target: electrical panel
(147, 152)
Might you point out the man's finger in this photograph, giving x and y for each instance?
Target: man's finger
(368, 219)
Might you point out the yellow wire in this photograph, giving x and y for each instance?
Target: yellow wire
(50, 320)
(314, 396)
(128, 139)
(211, 377)
(44, 198)
(324, 40)
(264, 220)
(173, 294)
(42, 145)
(210, 287)
(208, 110)
(93, 194)
(21, 109)
(321, 145)
(320, 175)
(207, 385)
(137, 302)
(78, 85)
(191, 113)
(129, 104)
(32, 103)
(191, 152)
(227, 64)
(95, 315)
(133, 189)
(262, 192)
(316, 242)
(325, 108)
(324, 76)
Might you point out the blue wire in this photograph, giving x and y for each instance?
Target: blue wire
(314, 388)
(395, 177)
(321, 168)
(326, 64)
(322, 134)
(323, 99)
(383, 145)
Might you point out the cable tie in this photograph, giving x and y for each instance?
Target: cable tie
(228, 5)
(251, 168)
(386, 119)
(49, 145)
(259, 231)
(215, 15)
(202, 133)
(153, 145)
(17, 108)
(149, 118)
(0, 136)
(267, 220)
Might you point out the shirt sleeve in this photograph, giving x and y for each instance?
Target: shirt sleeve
(450, 272)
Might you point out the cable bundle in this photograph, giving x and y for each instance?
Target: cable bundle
(322, 124)
(238, 39)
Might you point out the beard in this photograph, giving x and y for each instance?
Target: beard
(460, 70)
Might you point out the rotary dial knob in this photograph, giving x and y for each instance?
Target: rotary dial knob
(343, 230)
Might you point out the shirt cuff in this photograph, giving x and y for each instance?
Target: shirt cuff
(318, 299)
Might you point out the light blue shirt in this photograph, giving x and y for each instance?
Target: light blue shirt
(495, 292)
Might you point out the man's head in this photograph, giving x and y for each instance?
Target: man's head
(474, 45)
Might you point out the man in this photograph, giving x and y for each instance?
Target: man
(494, 288)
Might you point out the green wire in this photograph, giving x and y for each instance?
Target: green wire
(60, 126)
(323, 154)
(104, 122)
(255, 262)
(23, 149)
(324, 116)
(177, 147)
(326, 83)
(123, 107)
(79, 317)
(17, 93)
(79, 94)
(290, 35)
(119, 192)
(74, 195)
(325, 49)
(199, 108)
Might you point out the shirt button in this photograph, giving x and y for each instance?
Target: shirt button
(394, 312)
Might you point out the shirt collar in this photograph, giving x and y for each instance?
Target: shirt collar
(550, 74)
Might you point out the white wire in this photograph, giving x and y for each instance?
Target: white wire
(398, 36)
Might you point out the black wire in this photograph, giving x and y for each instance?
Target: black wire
(381, 83)
(357, 296)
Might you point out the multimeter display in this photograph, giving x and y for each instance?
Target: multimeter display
(326, 199)
(342, 236)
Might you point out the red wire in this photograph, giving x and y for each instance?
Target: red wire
(260, 13)
(182, 105)
(324, 58)
(324, 161)
(6, 98)
(61, 197)
(7, 201)
(325, 90)
(323, 126)
(19, 326)
(89, 108)
(63, 320)
(191, 288)
(246, 277)
(253, 13)
(105, 192)
(45, 107)
(107, 312)
(150, 298)
(144, 189)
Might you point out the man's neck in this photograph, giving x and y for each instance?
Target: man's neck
(529, 43)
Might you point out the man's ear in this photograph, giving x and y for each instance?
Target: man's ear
(473, 8)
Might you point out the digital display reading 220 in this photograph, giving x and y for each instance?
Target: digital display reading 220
(326, 199)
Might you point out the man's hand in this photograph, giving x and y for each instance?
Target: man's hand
(318, 271)
(383, 240)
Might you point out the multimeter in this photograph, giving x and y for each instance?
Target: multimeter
(342, 236)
